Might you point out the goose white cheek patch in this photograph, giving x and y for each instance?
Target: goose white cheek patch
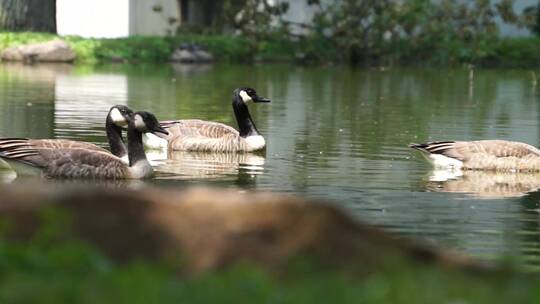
(117, 117)
(245, 97)
(139, 123)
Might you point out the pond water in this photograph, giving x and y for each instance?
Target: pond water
(333, 133)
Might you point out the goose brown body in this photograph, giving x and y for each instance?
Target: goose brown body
(117, 117)
(497, 155)
(69, 162)
(205, 136)
(77, 162)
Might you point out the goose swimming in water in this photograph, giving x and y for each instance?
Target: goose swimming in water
(209, 136)
(116, 119)
(496, 155)
(80, 162)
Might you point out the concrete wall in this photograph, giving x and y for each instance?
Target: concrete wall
(153, 17)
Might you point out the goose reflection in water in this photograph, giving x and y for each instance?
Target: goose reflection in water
(187, 165)
(483, 184)
(8, 176)
(182, 165)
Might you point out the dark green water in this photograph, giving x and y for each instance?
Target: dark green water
(333, 133)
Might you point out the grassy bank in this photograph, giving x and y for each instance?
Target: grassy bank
(54, 266)
(70, 271)
(505, 52)
(136, 49)
(44, 257)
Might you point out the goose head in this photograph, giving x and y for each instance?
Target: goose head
(247, 95)
(120, 115)
(146, 122)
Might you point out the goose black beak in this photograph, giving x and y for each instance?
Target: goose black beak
(159, 129)
(260, 99)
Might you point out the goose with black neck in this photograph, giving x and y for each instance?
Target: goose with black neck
(210, 136)
(85, 163)
(117, 118)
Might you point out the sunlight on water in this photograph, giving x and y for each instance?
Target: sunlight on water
(333, 133)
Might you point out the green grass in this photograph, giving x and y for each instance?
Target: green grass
(73, 272)
(508, 52)
(137, 48)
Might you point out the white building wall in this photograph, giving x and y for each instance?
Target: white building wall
(116, 18)
(96, 18)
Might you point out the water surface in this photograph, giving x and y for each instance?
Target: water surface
(334, 133)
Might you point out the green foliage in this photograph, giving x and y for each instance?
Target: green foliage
(446, 31)
(132, 49)
(275, 48)
(378, 31)
(223, 47)
(255, 19)
(135, 49)
(85, 49)
(515, 52)
(8, 39)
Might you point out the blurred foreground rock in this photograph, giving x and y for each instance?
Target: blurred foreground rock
(208, 229)
(51, 51)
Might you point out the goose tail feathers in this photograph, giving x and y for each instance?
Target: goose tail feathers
(434, 147)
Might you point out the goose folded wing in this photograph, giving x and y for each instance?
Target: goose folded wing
(502, 148)
(63, 144)
(13, 143)
(82, 163)
(71, 163)
(202, 129)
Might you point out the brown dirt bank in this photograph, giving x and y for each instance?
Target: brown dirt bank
(209, 229)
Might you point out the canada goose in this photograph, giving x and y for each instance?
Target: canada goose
(209, 136)
(79, 162)
(117, 118)
(497, 155)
